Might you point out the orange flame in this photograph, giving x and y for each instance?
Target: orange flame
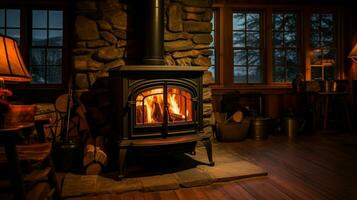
(150, 106)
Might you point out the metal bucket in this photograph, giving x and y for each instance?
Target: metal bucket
(260, 128)
(292, 126)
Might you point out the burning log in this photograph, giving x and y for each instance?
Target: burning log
(176, 117)
(157, 112)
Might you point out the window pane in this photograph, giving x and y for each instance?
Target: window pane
(278, 39)
(55, 19)
(54, 56)
(2, 18)
(54, 74)
(279, 57)
(238, 21)
(254, 75)
(15, 33)
(278, 22)
(38, 74)
(253, 22)
(292, 72)
(315, 40)
(39, 19)
(291, 57)
(326, 21)
(253, 39)
(55, 38)
(240, 75)
(327, 39)
(13, 18)
(240, 57)
(253, 57)
(290, 22)
(39, 37)
(38, 56)
(2, 31)
(279, 74)
(290, 39)
(238, 39)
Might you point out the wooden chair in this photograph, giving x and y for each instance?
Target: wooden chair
(30, 171)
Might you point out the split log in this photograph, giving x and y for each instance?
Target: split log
(94, 157)
(236, 117)
(94, 169)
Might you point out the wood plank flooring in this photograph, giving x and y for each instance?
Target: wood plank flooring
(320, 166)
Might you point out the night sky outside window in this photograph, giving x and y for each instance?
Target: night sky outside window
(10, 23)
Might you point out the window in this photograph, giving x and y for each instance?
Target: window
(46, 47)
(323, 46)
(272, 45)
(285, 47)
(213, 68)
(247, 53)
(41, 34)
(10, 23)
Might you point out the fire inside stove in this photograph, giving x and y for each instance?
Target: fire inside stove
(151, 105)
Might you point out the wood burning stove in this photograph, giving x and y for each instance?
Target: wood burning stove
(158, 107)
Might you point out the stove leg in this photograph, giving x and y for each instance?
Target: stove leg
(122, 162)
(208, 146)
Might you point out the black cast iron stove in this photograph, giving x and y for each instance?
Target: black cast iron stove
(157, 107)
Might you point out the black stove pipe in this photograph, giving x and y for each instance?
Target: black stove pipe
(154, 33)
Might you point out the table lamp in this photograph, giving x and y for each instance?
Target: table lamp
(12, 69)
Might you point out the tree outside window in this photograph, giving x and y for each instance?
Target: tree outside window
(247, 53)
(286, 63)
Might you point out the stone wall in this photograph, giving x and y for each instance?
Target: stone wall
(101, 42)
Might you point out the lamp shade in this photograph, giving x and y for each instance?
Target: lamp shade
(12, 67)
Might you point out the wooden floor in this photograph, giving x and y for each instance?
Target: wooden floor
(320, 166)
